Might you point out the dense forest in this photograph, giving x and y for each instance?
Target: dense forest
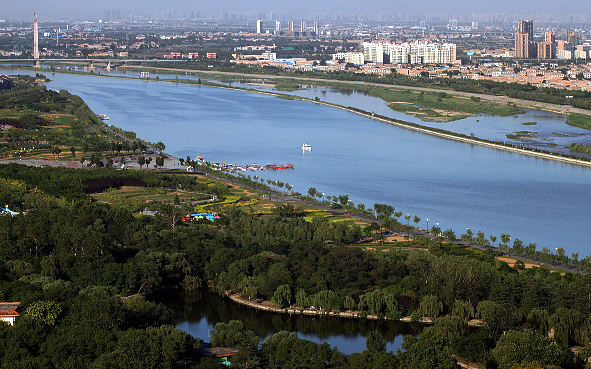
(79, 269)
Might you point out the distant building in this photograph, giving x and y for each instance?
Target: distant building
(572, 38)
(526, 26)
(582, 52)
(547, 49)
(353, 58)
(525, 47)
(373, 52)
(277, 27)
(565, 50)
(290, 28)
(9, 311)
(259, 26)
(409, 53)
(6, 83)
(269, 55)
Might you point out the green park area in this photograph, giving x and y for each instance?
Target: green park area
(439, 106)
(80, 258)
(39, 123)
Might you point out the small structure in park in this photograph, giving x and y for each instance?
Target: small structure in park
(220, 354)
(9, 311)
(197, 216)
(6, 211)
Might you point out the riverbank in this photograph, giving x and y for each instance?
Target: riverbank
(403, 124)
(563, 109)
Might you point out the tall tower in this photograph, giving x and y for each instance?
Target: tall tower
(259, 26)
(526, 26)
(572, 37)
(36, 42)
(525, 47)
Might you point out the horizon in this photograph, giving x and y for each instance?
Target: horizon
(92, 10)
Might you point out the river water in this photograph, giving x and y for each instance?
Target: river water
(455, 184)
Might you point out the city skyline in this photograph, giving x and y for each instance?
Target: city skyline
(88, 9)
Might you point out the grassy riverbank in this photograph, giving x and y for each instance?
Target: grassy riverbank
(447, 104)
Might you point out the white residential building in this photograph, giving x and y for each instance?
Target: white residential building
(353, 58)
(373, 52)
(410, 53)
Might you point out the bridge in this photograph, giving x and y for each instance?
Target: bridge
(90, 61)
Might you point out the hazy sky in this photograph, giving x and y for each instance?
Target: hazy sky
(12, 8)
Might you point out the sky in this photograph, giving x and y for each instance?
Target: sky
(88, 8)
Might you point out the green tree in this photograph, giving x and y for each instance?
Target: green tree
(160, 161)
(282, 295)
(430, 306)
(234, 334)
(463, 309)
(450, 235)
(516, 347)
(375, 342)
(44, 311)
(141, 160)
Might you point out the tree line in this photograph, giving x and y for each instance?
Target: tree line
(78, 265)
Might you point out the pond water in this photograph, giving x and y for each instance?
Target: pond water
(198, 312)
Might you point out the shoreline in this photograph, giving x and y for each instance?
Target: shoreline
(399, 123)
(235, 297)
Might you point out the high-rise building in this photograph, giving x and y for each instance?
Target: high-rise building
(526, 26)
(315, 27)
(521, 44)
(547, 49)
(572, 38)
(303, 28)
(259, 26)
(277, 27)
(549, 36)
(525, 47)
(290, 28)
(565, 50)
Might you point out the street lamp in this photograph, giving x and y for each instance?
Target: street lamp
(427, 219)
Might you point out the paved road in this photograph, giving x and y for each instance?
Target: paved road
(170, 162)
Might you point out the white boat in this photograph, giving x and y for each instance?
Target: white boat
(306, 147)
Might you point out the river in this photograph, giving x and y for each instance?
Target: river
(457, 185)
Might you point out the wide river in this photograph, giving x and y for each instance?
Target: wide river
(457, 185)
(454, 184)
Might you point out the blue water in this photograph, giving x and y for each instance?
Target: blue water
(454, 184)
